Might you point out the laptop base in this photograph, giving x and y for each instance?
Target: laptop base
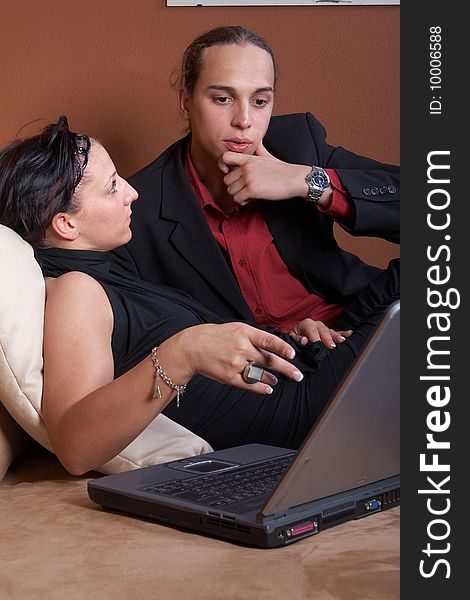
(254, 529)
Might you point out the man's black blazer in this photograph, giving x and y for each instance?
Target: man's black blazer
(172, 243)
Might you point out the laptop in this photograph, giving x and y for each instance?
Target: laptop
(347, 468)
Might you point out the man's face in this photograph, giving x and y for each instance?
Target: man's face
(232, 102)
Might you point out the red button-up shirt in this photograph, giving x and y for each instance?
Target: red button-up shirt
(273, 294)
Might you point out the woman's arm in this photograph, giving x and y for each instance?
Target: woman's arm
(87, 429)
(89, 416)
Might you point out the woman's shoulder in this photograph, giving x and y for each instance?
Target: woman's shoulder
(72, 279)
(77, 291)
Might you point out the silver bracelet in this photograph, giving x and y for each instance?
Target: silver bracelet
(160, 374)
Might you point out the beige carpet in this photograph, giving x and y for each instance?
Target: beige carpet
(56, 544)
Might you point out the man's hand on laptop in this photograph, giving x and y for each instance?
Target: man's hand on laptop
(309, 330)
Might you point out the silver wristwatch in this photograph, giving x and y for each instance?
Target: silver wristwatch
(317, 181)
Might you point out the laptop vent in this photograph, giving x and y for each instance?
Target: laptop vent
(112, 498)
(226, 524)
(338, 516)
(339, 508)
(392, 497)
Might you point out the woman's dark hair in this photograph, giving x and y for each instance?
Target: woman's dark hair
(38, 178)
(191, 63)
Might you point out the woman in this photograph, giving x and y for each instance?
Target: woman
(118, 350)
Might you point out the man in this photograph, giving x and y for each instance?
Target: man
(240, 213)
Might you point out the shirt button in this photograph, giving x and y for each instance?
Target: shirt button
(242, 262)
(374, 191)
(392, 189)
(383, 189)
(366, 191)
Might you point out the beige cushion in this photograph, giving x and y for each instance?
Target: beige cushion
(22, 295)
(13, 440)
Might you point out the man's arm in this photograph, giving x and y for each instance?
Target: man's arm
(296, 143)
(372, 187)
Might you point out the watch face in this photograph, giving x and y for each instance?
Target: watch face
(317, 181)
(320, 179)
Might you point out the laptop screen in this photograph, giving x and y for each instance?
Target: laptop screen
(356, 440)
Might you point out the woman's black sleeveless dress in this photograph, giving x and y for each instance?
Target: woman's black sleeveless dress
(146, 314)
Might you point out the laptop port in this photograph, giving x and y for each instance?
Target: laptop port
(373, 505)
(306, 528)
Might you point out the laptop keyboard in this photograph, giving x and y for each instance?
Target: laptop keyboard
(226, 488)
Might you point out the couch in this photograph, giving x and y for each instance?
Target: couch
(56, 543)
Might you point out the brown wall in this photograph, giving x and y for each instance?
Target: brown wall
(106, 64)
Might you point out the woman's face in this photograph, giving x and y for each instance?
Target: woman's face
(232, 102)
(105, 199)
